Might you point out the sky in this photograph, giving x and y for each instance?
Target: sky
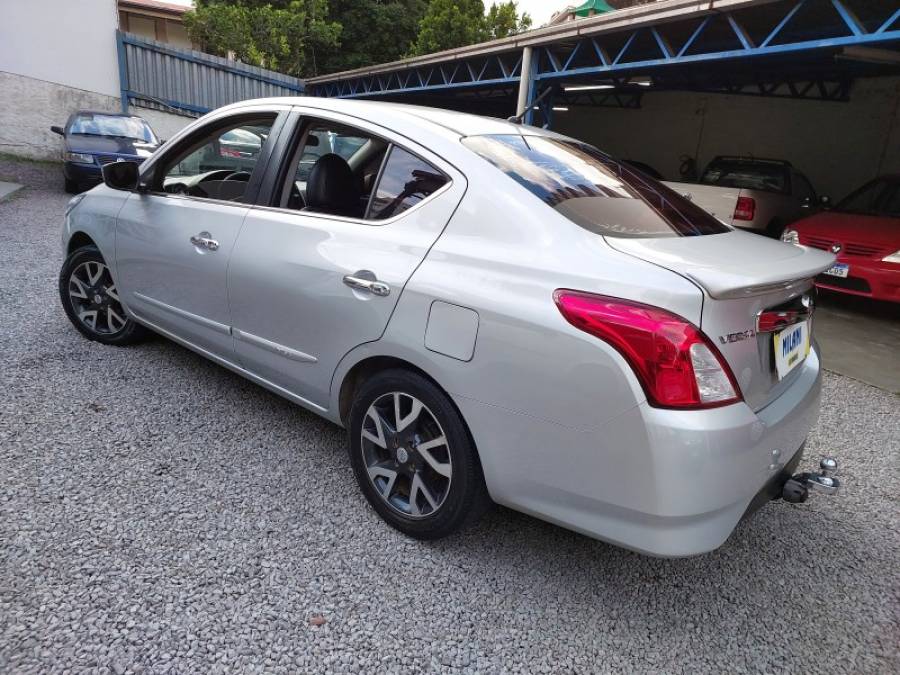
(540, 10)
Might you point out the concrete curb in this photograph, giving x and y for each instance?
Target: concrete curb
(8, 189)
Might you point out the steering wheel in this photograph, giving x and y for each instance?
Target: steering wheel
(243, 176)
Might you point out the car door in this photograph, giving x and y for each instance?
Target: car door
(307, 286)
(174, 237)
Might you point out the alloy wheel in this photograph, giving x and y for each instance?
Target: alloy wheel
(406, 455)
(95, 299)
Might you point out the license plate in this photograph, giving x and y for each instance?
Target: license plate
(791, 348)
(839, 270)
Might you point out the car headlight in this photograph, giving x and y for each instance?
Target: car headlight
(790, 237)
(893, 257)
(80, 157)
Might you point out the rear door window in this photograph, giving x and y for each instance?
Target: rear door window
(405, 181)
(593, 190)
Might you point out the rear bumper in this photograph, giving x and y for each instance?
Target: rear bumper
(662, 482)
(868, 278)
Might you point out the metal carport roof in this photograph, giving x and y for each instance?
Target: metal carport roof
(793, 48)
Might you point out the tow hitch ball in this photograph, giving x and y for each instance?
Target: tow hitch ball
(796, 489)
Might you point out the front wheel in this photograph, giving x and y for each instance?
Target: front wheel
(71, 186)
(91, 300)
(413, 457)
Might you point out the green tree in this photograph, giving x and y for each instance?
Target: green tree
(376, 31)
(457, 23)
(282, 35)
(503, 20)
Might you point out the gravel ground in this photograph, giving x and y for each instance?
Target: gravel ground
(159, 514)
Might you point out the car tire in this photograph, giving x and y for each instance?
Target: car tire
(90, 300)
(422, 486)
(72, 187)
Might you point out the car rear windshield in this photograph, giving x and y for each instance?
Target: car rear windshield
(593, 190)
(747, 175)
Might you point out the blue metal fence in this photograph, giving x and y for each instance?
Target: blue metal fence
(156, 75)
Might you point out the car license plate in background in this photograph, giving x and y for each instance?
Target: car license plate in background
(839, 270)
(791, 348)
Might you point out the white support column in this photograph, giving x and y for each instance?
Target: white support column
(525, 83)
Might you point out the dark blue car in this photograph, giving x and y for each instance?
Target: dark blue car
(94, 138)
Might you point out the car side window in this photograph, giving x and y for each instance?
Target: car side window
(333, 169)
(804, 189)
(405, 181)
(219, 164)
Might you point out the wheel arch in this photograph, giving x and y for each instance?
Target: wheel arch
(365, 368)
(79, 239)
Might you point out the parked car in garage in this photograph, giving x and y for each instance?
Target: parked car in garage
(762, 195)
(493, 311)
(863, 231)
(94, 138)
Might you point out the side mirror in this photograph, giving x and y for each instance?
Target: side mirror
(58, 130)
(121, 175)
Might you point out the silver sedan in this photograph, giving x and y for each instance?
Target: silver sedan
(495, 312)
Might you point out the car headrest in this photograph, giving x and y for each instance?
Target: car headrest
(332, 187)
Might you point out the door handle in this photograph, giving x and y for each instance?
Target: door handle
(205, 240)
(366, 281)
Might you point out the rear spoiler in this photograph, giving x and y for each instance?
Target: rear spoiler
(731, 265)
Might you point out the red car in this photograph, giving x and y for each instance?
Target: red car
(864, 232)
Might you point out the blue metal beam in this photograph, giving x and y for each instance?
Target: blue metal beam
(793, 33)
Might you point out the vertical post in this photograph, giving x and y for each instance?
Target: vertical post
(526, 80)
(123, 70)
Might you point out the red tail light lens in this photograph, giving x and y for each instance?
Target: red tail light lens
(676, 364)
(745, 209)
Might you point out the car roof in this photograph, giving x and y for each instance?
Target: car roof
(105, 112)
(463, 124)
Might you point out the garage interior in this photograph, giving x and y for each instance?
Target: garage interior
(675, 83)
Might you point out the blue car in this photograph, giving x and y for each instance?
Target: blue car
(94, 138)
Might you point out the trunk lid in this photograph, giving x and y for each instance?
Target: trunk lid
(719, 201)
(742, 275)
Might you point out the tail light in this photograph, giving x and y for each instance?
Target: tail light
(676, 364)
(745, 209)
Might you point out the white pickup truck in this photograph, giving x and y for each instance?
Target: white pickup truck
(763, 195)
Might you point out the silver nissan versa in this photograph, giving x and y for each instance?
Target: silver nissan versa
(494, 312)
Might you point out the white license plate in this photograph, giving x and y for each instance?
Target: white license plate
(839, 270)
(791, 348)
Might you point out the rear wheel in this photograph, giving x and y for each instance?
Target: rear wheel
(413, 457)
(91, 300)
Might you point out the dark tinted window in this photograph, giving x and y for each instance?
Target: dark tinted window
(881, 197)
(594, 190)
(748, 175)
(405, 181)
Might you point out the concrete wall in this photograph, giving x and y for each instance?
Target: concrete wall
(29, 107)
(68, 42)
(838, 145)
(165, 124)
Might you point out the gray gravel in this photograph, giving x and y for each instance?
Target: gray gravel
(159, 514)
